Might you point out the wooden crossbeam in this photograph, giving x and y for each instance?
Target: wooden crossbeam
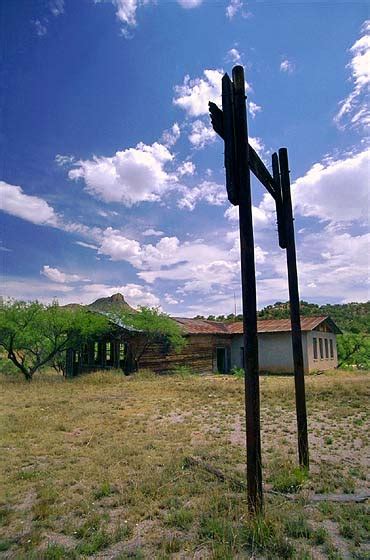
(256, 165)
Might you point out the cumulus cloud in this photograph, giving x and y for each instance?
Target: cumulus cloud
(40, 26)
(64, 160)
(193, 95)
(201, 134)
(354, 109)
(253, 108)
(56, 7)
(57, 275)
(235, 7)
(335, 190)
(170, 137)
(261, 217)
(188, 4)
(208, 191)
(152, 232)
(233, 55)
(130, 176)
(126, 11)
(31, 208)
(186, 168)
(287, 66)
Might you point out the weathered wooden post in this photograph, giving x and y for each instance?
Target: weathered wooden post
(248, 274)
(231, 125)
(294, 310)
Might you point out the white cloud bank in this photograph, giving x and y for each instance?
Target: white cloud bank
(130, 176)
(126, 11)
(57, 275)
(354, 109)
(287, 66)
(336, 190)
(31, 208)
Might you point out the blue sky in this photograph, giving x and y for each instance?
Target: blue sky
(112, 179)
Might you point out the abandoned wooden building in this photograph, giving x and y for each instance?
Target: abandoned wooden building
(211, 347)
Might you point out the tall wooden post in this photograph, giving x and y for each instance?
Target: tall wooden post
(294, 311)
(248, 276)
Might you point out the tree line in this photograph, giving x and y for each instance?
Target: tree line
(34, 336)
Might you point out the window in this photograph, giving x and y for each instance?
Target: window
(108, 351)
(321, 349)
(121, 351)
(326, 349)
(315, 348)
(96, 352)
(331, 349)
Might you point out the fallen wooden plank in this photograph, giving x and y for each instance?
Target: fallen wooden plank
(241, 485)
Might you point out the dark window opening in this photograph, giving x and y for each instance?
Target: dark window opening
(242, 357)
(331, 349)
(326, 349)
(315, 348)
(85, 354)
(321, 349)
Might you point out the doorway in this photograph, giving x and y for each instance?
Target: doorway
(221, 359)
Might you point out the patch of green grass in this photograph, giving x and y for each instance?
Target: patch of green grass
(298, 528)
(98, 540)
(320, 536)
(5, 544)
(286, 477)
(104, 490)
(58, 552)
(182, 519)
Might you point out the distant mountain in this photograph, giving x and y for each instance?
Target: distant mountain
(116, 302)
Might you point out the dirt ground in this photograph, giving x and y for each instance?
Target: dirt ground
(96, 467)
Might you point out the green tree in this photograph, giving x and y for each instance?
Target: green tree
(353, 350)
(154, 327)
(34, 335)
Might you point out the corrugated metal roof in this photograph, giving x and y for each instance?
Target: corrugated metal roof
(202, 326)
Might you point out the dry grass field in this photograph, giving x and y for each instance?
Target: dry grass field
(96, 467)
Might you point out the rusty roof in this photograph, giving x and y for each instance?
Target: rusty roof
(203, 326)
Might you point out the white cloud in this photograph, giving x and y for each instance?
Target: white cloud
(253, 108)
(87, 245)
(287, 66)
(170, 299)
(120, 248)
(31, 208)
(212, 193)
(188, 4)
(193, 95)
(336, 190)
(126, 11)
(57, 275)
(261, 217)
(234, 8)
(186, 168)
(170, 137)
(201, 134)
(56, 7)
(233, 55)
(135, 294)
(354, 109)
(130, 176)
(152, 232)
(63, 160)
(40, 27)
